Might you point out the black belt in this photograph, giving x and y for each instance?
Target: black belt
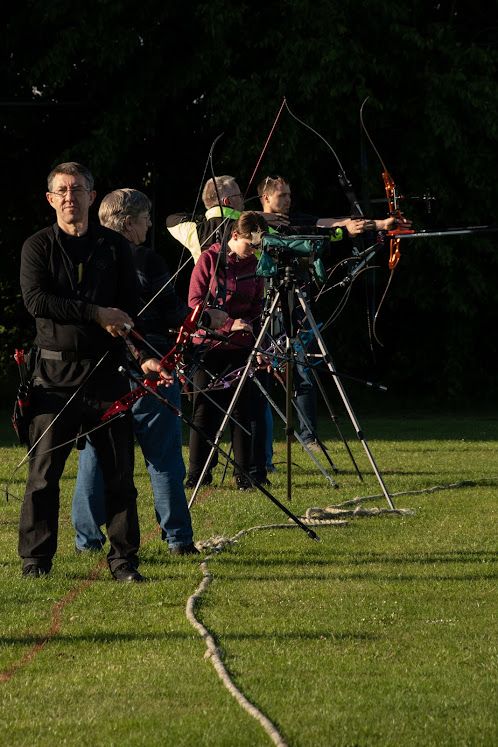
(64, 355)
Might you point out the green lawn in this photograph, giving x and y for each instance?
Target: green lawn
(383, 633)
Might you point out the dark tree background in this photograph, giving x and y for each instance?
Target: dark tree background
(139, 92)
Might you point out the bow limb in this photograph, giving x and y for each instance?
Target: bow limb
(194, 210)
(122, 405)
(347, 187)
(393, 197)
(192, 425)
(221, 260)
(168, 362)
(284, 103)
(187, 329)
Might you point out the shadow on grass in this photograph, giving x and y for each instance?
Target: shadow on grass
(456, 556)
(105, 638)
(23, 640)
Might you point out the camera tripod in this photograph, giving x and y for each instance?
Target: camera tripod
(284, 292)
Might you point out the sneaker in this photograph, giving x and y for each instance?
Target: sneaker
(271, 468)
(243, 483)
(314, 446)
(184, 550)
(192, 480)
(34, 571)
(127, 573)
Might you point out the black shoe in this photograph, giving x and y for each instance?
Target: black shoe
(34, 571)
(126, 573)
(243, 483)
(184, 550)
(192, 480)
(262, 479)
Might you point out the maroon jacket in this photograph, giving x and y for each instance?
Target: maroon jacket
(244, 298)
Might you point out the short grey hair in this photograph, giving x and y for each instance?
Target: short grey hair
(71, 168)
(224, 185)
(118, 204)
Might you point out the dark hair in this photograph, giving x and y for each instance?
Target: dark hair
(249, 222)
(72, 169)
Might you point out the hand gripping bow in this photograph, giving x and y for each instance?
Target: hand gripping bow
(168, 362)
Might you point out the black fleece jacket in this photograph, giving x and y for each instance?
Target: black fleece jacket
(63, 296)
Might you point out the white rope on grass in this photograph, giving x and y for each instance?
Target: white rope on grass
(323, 516)
(216, 545)
(451, 486)
(330, 515)
(213, 652)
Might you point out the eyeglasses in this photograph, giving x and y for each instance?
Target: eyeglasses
(76, 191)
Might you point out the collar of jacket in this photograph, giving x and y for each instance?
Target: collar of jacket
(228, 212)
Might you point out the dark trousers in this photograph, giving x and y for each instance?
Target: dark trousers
(208, 417)
(115, 453)
(259, 404)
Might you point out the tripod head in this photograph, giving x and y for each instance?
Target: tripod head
(285, 255)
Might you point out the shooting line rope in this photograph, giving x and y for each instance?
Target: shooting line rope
(329, 516)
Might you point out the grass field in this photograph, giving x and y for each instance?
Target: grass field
(383, 633)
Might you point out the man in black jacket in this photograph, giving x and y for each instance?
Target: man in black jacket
(78, 282)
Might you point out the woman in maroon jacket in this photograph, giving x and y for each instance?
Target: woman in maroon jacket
(242, 300)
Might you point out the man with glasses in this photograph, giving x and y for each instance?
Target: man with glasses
(78, 282)
(158, 430)
(199, 232)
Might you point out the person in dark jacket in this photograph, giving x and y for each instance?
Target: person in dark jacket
(78, 282)
(158, 430)
(243, 300)
(199, 232)
(202, 231)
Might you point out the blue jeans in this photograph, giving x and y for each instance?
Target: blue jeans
(158, 432)
(306, 401)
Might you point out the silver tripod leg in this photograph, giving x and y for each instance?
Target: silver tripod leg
(282, 417)
(328, 361)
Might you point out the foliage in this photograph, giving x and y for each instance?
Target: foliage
(141, 92)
